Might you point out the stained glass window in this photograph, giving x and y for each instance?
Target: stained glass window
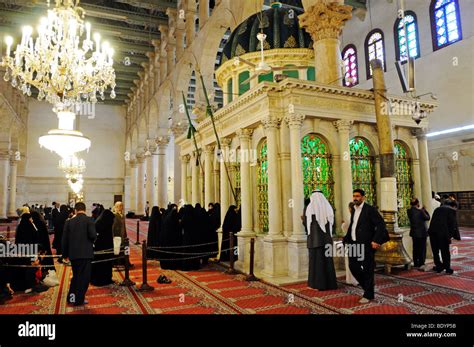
(349, 57)
(237, 179)
(317, 167)
(262, 188)
(407, 45)
(445, 22)
(363, 169)
(374, 49)
(404, 182)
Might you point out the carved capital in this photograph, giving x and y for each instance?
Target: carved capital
(343, 125)
(162, 141)
(225, 142)
(420, 133)
(185, 158)
(325, 20)
(244, 134)
(209, 149)
(271, 123)
(295, 120)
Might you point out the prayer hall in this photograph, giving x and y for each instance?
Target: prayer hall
(237, 157)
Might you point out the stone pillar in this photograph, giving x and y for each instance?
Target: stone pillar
(297, 251)
(208, 183)
(343, 128)
(133, 185)
(184, 177)
(195, 169)
(151, 172)
(11, 212)
(162, 180)
(140, 185)
(203, 12)
(285, 174)
(180, 32)
(4, 167)
(225, 191)
(424, 169)
(163, 53)
(190, 25)
(216, 180)
(324, 22)
(275, 245)
(171, 47)
(415, 164)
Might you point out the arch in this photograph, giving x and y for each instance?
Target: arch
(406, 46)
(374, 48)
(445, 19)
(363, 168)
(153, 117)
(317, 166)
(351, 65)
(405, 184)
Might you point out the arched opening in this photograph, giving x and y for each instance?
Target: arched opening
(262, 187)
(363, 168)
(404, 171)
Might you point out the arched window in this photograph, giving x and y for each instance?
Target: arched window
(445, 23)
(317, 167)
(374, 49)
(266, 77)
(363, 169)
(262, 188)
(351, 73)
(404, 44)
(404, 171)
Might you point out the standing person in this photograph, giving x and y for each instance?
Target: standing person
(418, 217)
(443, 228)
(319, 220)
(154, 230)
(119, 229)
(232, 223)
(54, 214)
(215, 223)
(147, 210)
(171, 240)
(192, 225)
(43, 239)
(101, 274)
(350, 279)
(434, 201)
(78, 245)
(58, 230)
(367, 231)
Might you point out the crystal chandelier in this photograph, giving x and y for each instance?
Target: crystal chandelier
(72, 165)
(75, 182)
(62, 68)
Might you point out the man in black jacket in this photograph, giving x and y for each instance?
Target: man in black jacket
(78, 245)
(443, 228)
(418, 218)
(366, 233)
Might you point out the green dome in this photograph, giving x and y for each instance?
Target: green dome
(279, 23)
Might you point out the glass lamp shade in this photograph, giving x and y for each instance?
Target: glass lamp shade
(64, 142)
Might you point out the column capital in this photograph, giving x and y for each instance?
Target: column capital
(209, 149)
(185, 158)
(140, 158)
(295, 120)
(325, 20)
(271, 123)
(420, 133)
(162, 141)
(226, 141)
(132, 163)
(244, 134)
(179, 129)
(343, 125)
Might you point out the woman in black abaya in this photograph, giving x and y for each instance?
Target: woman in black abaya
(191, 224)
(172, 238)
(101, 274)
(43, 240)
(59, 228)
(214, 223)
(231, 224)
(154, 230)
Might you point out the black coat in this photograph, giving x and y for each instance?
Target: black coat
(444, 225)
(418, 218)
(370, 227)
(78, 238)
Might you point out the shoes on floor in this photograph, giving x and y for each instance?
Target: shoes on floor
(422, 268)
(364, 301)
(163, 280)
(28, 291)
(449, 271)
(437, 269)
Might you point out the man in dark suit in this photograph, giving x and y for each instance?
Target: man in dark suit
(78, 245)
(443, 228)
(54, 214)
(367, 232)
(418, 217)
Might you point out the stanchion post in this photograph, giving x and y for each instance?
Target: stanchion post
(145, 287)
(231, 270)
(251, 277)
(138, 233)
(127, 282)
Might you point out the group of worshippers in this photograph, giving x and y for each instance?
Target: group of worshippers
(187, 238)
(366, 233)
(80, 241)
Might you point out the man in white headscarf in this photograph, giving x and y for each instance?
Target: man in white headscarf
(318, 221)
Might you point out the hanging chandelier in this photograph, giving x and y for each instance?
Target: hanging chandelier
(63, 68)
(72, 165)
(75, 183)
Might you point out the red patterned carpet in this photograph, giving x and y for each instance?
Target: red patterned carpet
(211, 291)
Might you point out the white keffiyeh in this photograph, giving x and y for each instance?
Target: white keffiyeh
(321, 209)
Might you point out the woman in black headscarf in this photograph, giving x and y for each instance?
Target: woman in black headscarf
(212, 237)
(101, 274)
(43, 240)
(154, 230)
(59, 228)
(171, 238)
(23, 278)
(191, 225)
(231, 224)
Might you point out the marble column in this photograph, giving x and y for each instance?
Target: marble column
(275, 244)
(343, 128)
(195, 169)
(297, 251)
(140, 185)
(225, 189)
(324, 22)
(133, 185)
(285, 174)
(162, 177)
(4, 168)
(216, 179)
(151, 173)
(424, 169)
(208, 183)
(11, 212)
(184, 177)
(416, 177)
(190, 25)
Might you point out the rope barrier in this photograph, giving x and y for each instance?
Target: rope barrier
(197, 245)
